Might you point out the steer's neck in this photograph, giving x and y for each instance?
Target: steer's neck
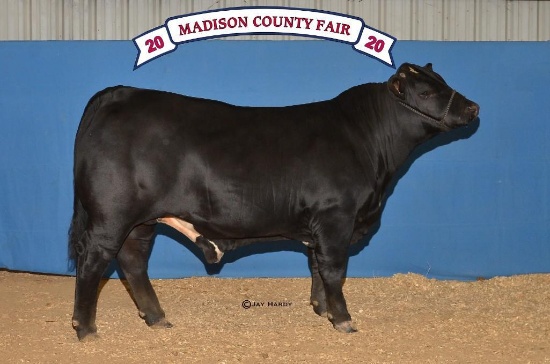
(383, 125)
(407, 128)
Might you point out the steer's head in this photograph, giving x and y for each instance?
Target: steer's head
(425, 93)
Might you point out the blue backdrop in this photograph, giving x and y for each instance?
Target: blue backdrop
(473, 203)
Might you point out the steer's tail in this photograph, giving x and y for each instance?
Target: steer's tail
(78, 226)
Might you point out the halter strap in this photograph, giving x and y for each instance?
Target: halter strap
(439, 122)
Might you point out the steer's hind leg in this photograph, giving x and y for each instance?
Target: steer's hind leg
(92, 261)
(133, 258)
(331, 252)
(318, 298)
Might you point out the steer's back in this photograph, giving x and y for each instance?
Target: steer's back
(133, 116)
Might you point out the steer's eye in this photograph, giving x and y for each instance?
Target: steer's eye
(425, 94)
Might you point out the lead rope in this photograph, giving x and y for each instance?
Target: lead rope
(440, 122)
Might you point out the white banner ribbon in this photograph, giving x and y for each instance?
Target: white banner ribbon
(263, 20)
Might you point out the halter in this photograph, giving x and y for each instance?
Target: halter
(439, 122)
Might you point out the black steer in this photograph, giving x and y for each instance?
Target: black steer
(226, 175)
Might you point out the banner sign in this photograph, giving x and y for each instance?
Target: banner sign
(264, 20)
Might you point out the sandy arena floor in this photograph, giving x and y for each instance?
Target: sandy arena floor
(403, 319)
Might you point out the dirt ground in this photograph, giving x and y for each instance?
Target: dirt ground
(402, 319)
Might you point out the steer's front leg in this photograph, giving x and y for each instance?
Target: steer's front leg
(318, 298)
(331, 253)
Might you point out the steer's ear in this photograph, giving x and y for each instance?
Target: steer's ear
(397, 86)
(428, 66)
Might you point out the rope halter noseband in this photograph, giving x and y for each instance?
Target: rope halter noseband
(439, 122)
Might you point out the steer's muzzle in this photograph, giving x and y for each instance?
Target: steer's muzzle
(472, 110)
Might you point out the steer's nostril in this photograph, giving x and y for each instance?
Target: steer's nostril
(473, 109)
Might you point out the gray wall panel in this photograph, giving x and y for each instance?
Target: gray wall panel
(462, 20)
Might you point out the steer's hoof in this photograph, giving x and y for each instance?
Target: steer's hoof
(346, 327)
(161, 324)
(89, 337)
(85, 333)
